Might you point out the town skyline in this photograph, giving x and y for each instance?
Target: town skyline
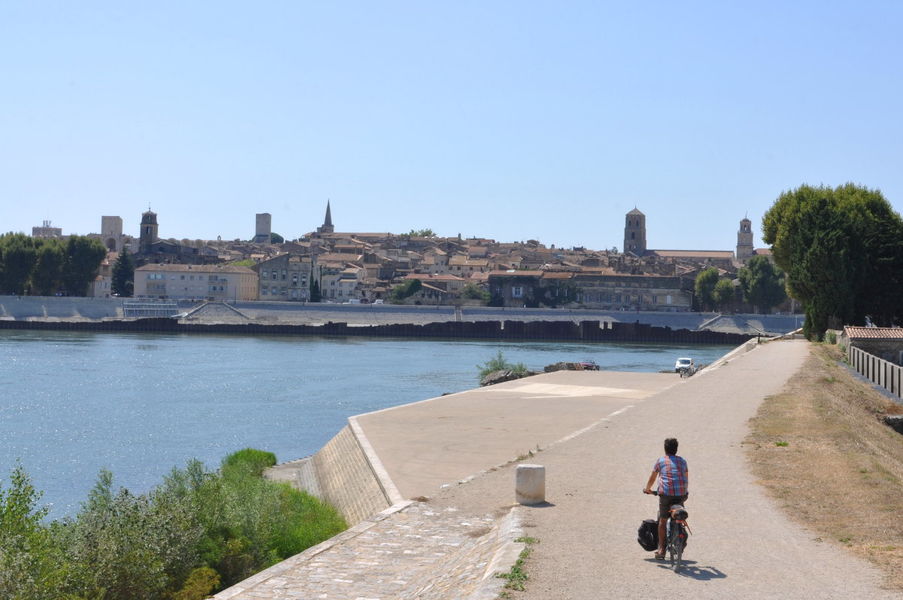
(50, 225)
(509, 121)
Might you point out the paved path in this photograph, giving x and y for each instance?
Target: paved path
(427, 444)
(602, 432)
(741, 547)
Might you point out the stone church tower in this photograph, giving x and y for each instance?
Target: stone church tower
(745, 240)
(148, 231)
(327, 222)
(635, 233)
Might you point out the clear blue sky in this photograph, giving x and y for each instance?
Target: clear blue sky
(510, 120)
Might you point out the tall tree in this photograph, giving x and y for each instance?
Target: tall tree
(124, 274)
(842, 252)
(83, 258)
(705, 288)
(762, 283)
(47, 275)
(19, 257)
(723, 294)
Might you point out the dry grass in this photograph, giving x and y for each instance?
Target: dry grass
(821, 449)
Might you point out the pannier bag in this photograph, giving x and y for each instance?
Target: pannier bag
(647, 534)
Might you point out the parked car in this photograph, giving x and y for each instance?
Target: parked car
(684, 363)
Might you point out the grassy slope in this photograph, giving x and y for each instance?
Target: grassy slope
(841, 471)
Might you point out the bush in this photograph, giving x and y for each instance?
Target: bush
(195, 532)
(499, 363)
(831, 337)
(249, 461)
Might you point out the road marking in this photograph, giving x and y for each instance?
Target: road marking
(561, 390)
(571, 436)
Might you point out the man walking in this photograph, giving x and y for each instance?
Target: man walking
(672, 488)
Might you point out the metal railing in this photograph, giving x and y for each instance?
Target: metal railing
(877, 370)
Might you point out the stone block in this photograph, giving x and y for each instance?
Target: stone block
(530, 484)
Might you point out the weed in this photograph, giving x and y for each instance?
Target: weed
(517, 577)
(782, 444)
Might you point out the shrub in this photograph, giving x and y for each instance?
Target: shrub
(249, 461)
(499, 363)
(195, 532)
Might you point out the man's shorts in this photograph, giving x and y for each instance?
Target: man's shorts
(665, 502)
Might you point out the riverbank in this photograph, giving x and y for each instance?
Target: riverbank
(51, 308)
(559, 331)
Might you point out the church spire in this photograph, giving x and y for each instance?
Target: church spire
(327, 223)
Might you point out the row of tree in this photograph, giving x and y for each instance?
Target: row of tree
(759, 283)
(47, 267)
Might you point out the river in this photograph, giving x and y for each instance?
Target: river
(138, 405)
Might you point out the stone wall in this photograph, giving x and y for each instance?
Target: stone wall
(346, 479)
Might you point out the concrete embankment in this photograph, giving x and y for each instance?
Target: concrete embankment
(584, 331)
(52, 308)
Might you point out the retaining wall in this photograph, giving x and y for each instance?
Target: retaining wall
(877, 370)
(586, 331)
(346, 479)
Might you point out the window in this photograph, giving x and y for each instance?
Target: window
(517, 291)
(263, 274)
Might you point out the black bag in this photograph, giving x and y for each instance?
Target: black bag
(647, 534)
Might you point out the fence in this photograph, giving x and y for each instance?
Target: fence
(877, 370)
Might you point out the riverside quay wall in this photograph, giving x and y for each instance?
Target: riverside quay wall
(583, 331)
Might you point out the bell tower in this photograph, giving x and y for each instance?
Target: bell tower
(635, 233)
(745, 240)
(148, 231)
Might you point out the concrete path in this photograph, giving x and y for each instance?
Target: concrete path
(742, 546)
(427, 444)
(601, 433)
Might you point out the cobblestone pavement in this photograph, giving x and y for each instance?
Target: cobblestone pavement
(406, 552)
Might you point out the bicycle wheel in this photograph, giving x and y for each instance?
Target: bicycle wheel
(678, 548)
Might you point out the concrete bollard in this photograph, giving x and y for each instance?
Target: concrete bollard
(530, 484)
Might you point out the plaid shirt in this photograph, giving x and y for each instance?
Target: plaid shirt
(672, 472)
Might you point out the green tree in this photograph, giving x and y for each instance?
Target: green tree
(705, 288)
(83, 258)
(129, 546)
(275, 238)
(124, 275)
(762, 283)
(723, 294)
(422, 233)
(47, 275)
(472, 291)
(19, 256)
(32, 567)
(405, 290)
(315, 295)
(842, 252)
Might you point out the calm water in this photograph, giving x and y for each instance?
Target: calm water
(73, 403)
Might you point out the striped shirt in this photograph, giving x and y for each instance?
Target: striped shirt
(672, 472)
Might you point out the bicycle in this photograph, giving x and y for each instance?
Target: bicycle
(677, 531)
